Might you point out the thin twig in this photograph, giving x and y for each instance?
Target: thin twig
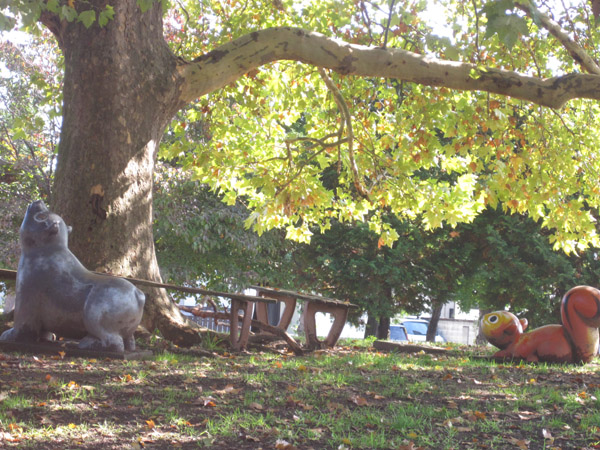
(478, 53)
(318, 142)
(387, 27)
(347, 118)
(577, 52)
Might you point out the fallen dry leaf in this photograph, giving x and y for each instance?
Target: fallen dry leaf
(410, 446)
(229, 389)
(359, 401)
(284, 445)
(547, 435)
(522, 444)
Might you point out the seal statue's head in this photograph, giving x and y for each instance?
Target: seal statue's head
(41, 228)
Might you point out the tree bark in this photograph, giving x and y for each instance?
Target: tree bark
(121, 89)
(371, 327)
(383, 330)
(433, 323)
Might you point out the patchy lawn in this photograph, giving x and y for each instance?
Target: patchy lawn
(347, 398)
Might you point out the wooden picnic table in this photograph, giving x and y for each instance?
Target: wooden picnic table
(313, 304)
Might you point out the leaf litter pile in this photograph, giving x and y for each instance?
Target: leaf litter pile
(346, 398)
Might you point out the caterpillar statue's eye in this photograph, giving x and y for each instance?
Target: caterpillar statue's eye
(40, 217)
(493, 319)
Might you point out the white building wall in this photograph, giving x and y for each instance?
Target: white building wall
(457, 325)
(461, 331)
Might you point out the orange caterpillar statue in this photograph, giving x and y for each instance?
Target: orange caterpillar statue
(575, 341)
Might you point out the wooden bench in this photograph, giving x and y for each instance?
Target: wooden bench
(313, 304)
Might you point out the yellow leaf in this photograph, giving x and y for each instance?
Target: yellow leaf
(14, 428)
(72, 426)
(412, 435)
(150, 424)
(71, 3)
(479, 415)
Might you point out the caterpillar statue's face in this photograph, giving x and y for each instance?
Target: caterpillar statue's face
(502, 328)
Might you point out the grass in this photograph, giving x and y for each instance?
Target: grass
(350, 398)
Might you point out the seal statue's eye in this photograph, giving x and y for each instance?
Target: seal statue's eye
(40, 217)
(493, 319)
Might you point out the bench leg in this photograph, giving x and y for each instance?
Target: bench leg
(239, 334)
(339, 313)
(288, 312)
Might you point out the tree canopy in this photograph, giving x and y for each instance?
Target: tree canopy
(465, 101)
(386, 137)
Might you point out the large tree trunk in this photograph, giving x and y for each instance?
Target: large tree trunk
(436, 312)
(371, 326)
(120, 92)
(383, 330)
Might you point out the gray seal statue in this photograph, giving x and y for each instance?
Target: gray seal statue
(56, 294)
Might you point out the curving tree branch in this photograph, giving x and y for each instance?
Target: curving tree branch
(575, 50)
(230, 61)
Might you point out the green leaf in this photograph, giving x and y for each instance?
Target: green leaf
(19, 133)
(106, 15)
(508, 26)
(87, 18)
(68, 13)
(6, 22)
(145, 5)
(53, 6)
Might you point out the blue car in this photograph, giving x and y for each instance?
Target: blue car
(398, 333)
(415, 330)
